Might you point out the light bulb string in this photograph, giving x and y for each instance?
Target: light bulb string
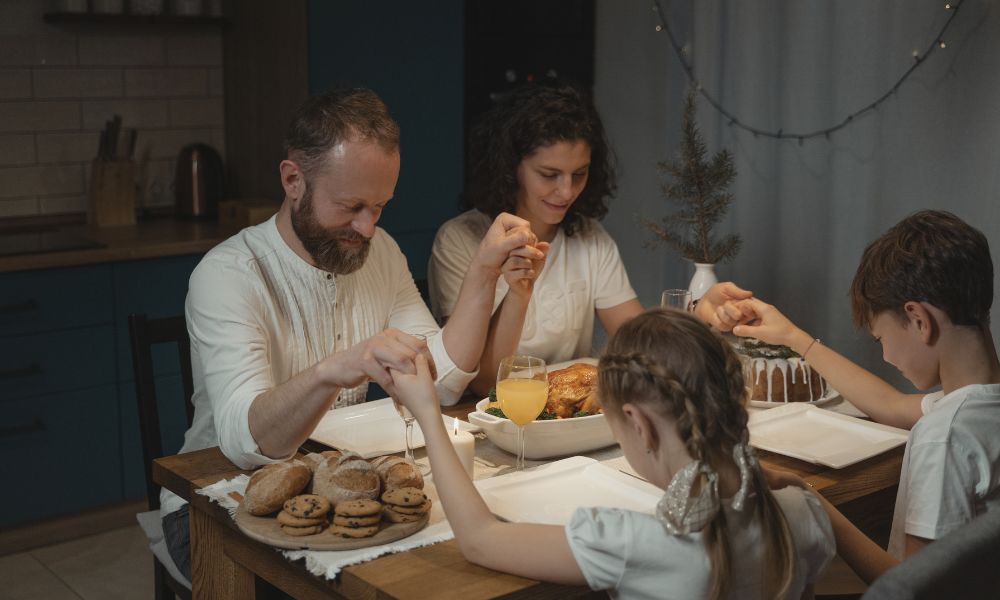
(780, 133)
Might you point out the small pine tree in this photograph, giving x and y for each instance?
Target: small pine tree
(698, 187)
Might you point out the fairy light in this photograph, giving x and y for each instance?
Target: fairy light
(682, 51)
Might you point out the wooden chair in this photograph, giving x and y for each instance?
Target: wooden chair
(144, 334)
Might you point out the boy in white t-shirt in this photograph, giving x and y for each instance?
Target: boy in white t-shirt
(924, 291)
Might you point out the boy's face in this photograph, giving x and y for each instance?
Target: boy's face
(904, 348)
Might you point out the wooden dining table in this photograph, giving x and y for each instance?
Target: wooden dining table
(226, 564)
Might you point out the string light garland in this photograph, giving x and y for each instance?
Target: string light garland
(734, 121)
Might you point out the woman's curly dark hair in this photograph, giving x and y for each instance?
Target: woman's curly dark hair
(532, 116)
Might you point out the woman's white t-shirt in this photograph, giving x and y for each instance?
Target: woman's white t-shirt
(630, 555)
(583, 272)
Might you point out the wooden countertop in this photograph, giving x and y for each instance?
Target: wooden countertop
(155, 238)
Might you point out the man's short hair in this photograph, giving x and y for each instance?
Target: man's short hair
(341, 114)
(931, 256)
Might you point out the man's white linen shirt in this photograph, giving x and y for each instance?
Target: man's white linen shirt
(951, 465)
(258, 314)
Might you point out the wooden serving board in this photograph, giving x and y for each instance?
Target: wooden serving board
(268, 530)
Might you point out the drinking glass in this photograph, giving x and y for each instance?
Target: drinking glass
(679, 299)
(408, 417)
(522, 389)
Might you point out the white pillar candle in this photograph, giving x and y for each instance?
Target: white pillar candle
(465, 446)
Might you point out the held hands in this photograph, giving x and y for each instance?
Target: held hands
(415, 390)
(506, 234)
(373, 358)
(523, 266)
(769, 325)
(722, 306)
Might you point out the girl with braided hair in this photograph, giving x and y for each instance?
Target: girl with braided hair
(673, 394)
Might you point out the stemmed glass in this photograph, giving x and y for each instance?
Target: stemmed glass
(408, 417)
(522, 389)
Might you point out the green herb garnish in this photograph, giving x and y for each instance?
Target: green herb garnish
(582, 413)
(496, 412)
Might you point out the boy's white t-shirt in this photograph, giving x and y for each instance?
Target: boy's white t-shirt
(951, 465)
(582, 272)
(631, 555)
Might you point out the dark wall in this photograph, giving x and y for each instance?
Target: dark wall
(410, 53)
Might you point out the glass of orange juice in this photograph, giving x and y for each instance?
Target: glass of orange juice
(522, 389)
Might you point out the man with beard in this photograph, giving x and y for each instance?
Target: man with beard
(294, 316)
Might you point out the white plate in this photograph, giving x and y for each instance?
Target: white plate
(820, 436)
(550, 493)
(370, 429)
(830, 395)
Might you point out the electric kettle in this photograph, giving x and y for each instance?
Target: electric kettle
(198, 184)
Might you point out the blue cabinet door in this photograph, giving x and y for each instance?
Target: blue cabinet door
(53, 299)
(60, 454)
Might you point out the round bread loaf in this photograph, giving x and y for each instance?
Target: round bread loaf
(346, 478)
(314, 459)
(395, 472)
(271, 485)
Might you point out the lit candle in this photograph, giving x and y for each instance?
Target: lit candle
(465, 446)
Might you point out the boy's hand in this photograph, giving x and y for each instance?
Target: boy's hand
(416, 391)
(720, 306)
(771, 326)
(777, 479)
(523, 266)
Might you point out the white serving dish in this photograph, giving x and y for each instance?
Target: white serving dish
(821, 436)
(370, 429)
(550, 493)
(545, 439)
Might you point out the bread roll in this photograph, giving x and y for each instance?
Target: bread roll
(271, 485)
(314, 459)
(395, 472)
(346, 478)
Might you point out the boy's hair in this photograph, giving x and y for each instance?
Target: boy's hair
(341, 114)
(535, 115)
(674, 364)
(931, 256)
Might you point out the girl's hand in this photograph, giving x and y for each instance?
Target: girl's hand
(769, 325)
(523, 266)
(416, 391)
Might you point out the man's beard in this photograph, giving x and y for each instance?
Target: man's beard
(321, 243)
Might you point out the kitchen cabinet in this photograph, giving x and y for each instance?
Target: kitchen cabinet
(67, 397)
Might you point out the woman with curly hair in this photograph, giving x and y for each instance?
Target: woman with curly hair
(541, 153)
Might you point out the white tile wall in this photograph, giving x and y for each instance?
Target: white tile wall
(17, 149)
(59, 85)
(129, 51)
(15, 83)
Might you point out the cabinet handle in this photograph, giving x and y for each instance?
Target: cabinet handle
(19, 307)
(29, 371)
(36, 425)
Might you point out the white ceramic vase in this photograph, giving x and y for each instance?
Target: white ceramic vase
(704, 278)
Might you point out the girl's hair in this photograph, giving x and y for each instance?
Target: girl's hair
(675, 365)
(532, 116)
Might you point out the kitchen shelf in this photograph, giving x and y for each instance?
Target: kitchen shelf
(70, 18)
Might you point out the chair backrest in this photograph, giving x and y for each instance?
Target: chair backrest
(144, 334)
(962, 564)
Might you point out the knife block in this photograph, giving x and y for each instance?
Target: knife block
(111, 200)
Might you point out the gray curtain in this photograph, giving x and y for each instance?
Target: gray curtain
(806, 211)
